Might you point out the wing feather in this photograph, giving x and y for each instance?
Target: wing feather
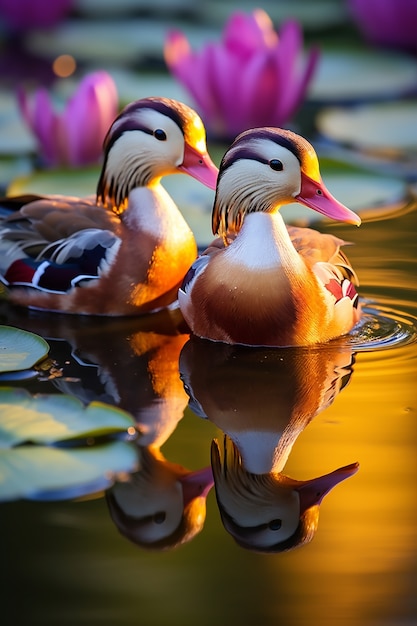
(59, 217)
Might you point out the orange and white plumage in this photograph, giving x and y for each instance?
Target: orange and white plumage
(261, 282)
(125, 250)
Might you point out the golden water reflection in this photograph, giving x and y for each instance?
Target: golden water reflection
(360, 567)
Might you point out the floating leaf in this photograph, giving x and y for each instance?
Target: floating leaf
(15, 138)
(352, 75)
(20, 349)
(51, 418)
(356, 187)
(60, 181)
(42, 473)
(18, 376)
(386, 126)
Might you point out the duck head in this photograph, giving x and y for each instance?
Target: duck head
(151, 138)
(265, 168)
(268, 512)
(161, 506)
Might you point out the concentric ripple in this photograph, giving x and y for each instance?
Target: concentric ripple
(382, 327)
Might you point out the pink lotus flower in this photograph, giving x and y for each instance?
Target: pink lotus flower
(252, 78)
(24, 15)
(390, 23)
(75, 136)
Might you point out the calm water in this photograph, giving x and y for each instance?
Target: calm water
(68, 563)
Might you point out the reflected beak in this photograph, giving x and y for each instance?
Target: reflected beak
(200, 166)
(196, 484)
(313, 491)
(315, 195)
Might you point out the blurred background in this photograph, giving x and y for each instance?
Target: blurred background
(65, 562)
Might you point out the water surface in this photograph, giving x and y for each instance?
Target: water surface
(66, 562)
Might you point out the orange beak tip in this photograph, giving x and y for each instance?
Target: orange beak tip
(316, 196)
(200, 166)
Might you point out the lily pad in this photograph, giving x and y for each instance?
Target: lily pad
(47, 473)
(51, 418)
(132, 85)
(315, 15)
(113, 41)
(15, 137)
(71, 182)
(20, 349)
(387, 126)
(99, 8)
(350, 76)
(356, 188)
(24, 375)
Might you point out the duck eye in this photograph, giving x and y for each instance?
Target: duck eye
(275, 524)
(159, 518)
(275, 164)
(160, 134)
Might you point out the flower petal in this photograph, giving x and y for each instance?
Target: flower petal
(87, 117)
(258, 94)
(44, 120)
(251, 78)
(223, 73)
(293, 78)
(189, 68)
(245, 35)
(30, 14)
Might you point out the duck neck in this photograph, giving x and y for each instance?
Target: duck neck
(263, 242)
(262, 452)
(151, 208)
(124, 172)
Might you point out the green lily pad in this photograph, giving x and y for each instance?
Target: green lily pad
(20, 349)
(316, 15)
(70, 182)
(133, 85)
(347, 75)
(51, 418)
(15, 137)
(356, 188)
(118, 40)
(384, 126)
(99, 8)
(46, 473)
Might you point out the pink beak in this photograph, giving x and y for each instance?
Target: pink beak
(315, 195)
(197, 484)
(200, 166)
(313, 491)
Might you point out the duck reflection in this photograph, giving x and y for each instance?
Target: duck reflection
(133, 364)
(161, 506)
(262, 399)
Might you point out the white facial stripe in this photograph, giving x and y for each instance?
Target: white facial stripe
(285, 183)
(172, 148)
(139, 156)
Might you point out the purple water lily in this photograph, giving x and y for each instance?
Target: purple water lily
(74, 137)
(390, 23)
(22, 15)
(253, 77)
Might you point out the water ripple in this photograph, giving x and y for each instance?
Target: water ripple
(383, 327)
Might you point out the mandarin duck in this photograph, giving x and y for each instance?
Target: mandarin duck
(261, 282)
(268, 512)
(124, 251)
(263, 399)
(161, 506)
